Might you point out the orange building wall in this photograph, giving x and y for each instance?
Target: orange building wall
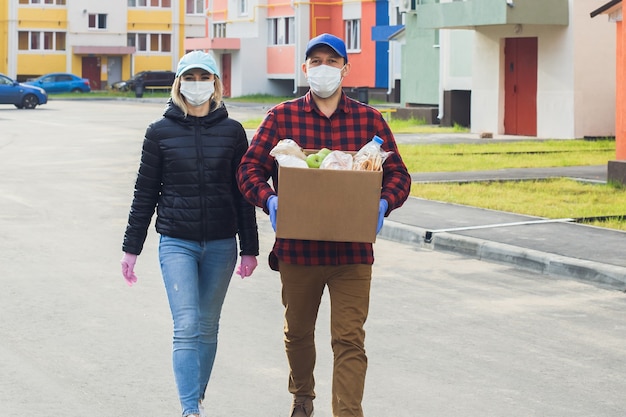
(321, 18)
(328, 17)
(363, 72)
(620, 105)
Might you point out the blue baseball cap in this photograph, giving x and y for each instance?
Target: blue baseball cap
(197, 59)
(329, 40)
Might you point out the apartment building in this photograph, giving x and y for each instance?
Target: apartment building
(520, 67)
(260, 44)
(105, 41)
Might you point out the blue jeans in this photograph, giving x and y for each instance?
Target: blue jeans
(196, 277)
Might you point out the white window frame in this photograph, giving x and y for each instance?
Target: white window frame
(41, 36)
(143, 4)
(197, 5)
(353, 35)
(142, 41)
(243, 7)
(281, 31)
(219, 29)
(98, 20)
(46, 2)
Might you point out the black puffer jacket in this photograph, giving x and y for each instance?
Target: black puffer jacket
(187, 172)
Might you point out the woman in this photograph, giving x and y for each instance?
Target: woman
(187, 171)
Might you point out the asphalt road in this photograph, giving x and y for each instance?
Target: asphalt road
(448, 336)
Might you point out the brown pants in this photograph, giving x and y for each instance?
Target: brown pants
(349, 289)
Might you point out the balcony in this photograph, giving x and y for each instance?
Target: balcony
(471, 13)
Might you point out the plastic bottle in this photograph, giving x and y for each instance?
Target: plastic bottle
(370, 148)
(371, 152)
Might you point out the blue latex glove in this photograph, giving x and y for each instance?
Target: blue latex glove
(382, 209)
(272, 207)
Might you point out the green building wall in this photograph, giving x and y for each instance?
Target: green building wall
(420, 65)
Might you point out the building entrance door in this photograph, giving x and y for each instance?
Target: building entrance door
(114, 69)
(91, 70)
(520, 86)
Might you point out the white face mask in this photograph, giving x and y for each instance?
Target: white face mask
(324, 80)
(197, 92)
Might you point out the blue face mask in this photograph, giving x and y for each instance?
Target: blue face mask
(197, 92)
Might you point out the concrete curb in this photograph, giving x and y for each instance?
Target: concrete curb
(545, 263)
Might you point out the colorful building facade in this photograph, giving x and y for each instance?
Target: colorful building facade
(260, 45)
(528, 67)
(105, 41)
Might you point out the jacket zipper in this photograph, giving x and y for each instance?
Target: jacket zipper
(199, 165)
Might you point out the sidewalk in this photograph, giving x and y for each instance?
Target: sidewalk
(557, 247)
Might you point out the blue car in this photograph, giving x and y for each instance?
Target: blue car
(61, 82)
(21, 95)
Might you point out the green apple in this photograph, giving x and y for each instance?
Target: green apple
(324, 152)
(314, 160)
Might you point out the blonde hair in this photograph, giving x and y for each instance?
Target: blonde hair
(179, 100)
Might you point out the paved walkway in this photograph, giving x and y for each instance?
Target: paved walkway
(560, 247)
(591, 173)
(447, 335)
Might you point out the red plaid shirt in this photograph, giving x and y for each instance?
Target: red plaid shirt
(351, 126)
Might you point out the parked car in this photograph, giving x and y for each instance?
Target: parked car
(61, 82)
(146, 79)
(21, 95)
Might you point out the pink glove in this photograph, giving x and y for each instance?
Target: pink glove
(246, 266)
(128, 268)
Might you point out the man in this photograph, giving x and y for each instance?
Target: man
(324, 117)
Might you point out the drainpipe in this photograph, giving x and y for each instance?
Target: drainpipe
(209, 19)
(296, 24)
(442, 67)
(12, 44)
(391, 68)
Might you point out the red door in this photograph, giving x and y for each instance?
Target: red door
(520, 86)
(226, 74)
(91, 70)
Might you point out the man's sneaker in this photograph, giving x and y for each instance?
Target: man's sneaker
(302, 407)
(201, 409)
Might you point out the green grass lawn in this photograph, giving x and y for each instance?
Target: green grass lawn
(490, 156)
(554, 198)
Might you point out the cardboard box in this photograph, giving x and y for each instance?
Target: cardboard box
(328, 204)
